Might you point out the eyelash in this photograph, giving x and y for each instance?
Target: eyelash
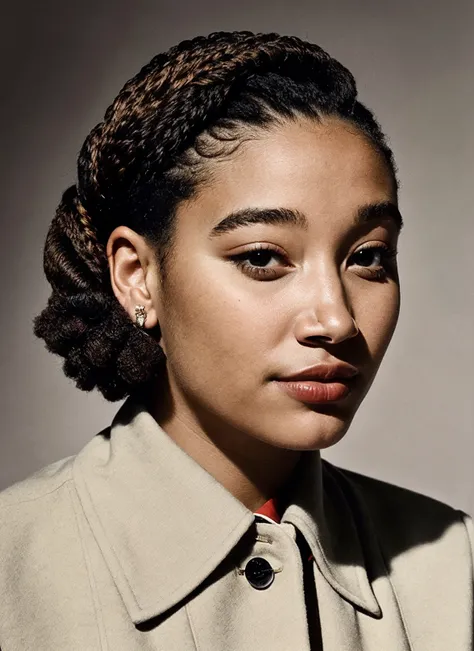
(241, 262)
(387, 257)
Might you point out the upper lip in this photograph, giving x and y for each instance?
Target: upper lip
(322, 372)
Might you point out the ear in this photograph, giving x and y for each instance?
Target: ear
(134, 274)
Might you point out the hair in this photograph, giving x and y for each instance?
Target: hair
(152, 151)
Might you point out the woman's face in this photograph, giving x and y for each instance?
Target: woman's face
(284, 261)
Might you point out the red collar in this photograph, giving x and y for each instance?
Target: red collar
(270, 509)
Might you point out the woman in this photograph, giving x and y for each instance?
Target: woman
(227, 262)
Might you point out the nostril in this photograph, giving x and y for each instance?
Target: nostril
(318, 340)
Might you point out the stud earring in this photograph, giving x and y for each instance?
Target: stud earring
(140, 316)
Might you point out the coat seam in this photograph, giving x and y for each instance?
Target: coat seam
(466, 521)
(464, 517)
(26, 500)
(191, 627)
(102, 637)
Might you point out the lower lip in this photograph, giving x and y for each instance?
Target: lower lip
(315, 392)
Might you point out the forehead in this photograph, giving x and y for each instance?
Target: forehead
(323, 170)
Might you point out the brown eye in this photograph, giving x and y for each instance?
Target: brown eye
(368, 257)
(261, 263)
(377, 261)
(260, 258)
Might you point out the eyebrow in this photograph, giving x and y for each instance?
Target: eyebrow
(249, 216)
(286, 216)
(378, 212)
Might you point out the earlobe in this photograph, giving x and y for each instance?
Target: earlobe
(140, 315)
(143, 318)
(141, 309)
(131, 275)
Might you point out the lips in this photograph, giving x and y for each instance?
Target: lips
(322, 383)
(322, 373)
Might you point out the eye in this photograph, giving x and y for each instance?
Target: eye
(264, 262)
(374, 261)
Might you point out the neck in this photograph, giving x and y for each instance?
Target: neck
(252, 470)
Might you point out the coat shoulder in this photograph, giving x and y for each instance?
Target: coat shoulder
(31, 509)
(36, 486)
(392, 501)
(424, 548)
(42, 556)
(409, 525)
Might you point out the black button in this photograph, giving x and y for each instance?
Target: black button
(259, 573)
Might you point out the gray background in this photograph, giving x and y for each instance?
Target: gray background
(64, 62)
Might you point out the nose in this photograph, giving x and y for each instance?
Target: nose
(326, 314)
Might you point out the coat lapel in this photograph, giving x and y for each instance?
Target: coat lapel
(358, 609)
(320, 509)
(162, 522)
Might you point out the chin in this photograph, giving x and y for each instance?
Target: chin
(311, 431)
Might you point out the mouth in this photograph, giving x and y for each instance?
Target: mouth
(316, 392)
(320, 384)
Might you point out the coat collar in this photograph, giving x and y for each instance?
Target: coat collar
(163, 523)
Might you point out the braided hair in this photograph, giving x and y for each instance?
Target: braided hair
(150, 152)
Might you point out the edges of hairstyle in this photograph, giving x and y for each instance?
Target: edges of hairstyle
(101, 346)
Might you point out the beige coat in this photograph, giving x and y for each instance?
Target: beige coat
(131, 545)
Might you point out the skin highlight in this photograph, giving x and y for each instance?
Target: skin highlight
(229, 329)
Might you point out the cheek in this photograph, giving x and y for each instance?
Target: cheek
(215, 325)
(376, 314)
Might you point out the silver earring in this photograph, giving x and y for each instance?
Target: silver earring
(140, 315)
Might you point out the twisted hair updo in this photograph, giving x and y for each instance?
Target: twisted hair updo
(150, 152)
